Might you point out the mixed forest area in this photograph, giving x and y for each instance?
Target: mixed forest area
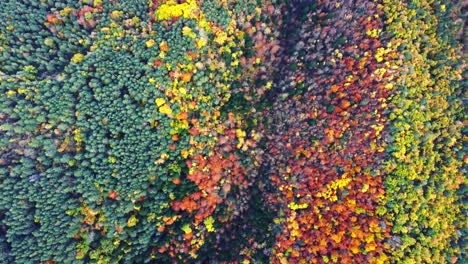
(233, 131)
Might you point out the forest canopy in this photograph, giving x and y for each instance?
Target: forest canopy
(232, 131)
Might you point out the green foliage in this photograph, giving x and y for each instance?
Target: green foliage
(26, 27)
(424, 171)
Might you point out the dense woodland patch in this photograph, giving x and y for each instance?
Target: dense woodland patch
(219, 131)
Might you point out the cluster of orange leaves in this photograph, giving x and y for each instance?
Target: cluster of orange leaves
(213, 175)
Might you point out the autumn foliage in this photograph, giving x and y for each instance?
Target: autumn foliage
(327, 150)
(222, 131)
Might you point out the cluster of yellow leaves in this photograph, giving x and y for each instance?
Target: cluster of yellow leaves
(116, 14)
(132, 221)
(333, 186)
(78, 138)
(89, 214)
(10, 93)
(66, 11)
(209, 221)
(241, 137)
(187, 229)
(187, 31)
(172, 9)
(150, 43)
(381, 52)
(374, 33)
(221, 37)
(293, 225)
(163, 46)
(163, 106)
(77, 58)
(295, 206)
